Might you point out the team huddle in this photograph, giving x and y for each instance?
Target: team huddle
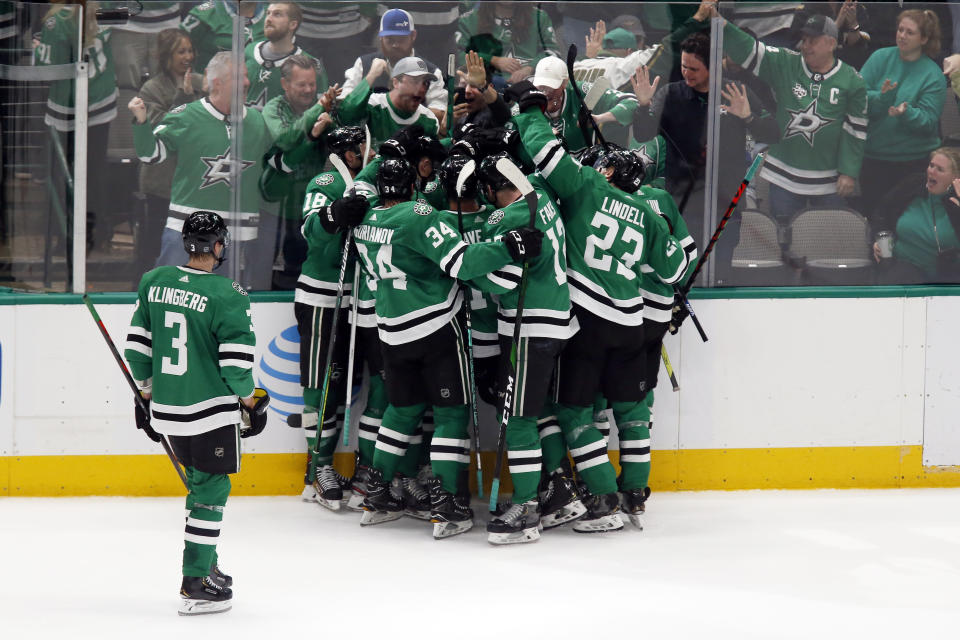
(567, 276)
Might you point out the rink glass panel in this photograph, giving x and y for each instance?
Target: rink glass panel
(101, 235)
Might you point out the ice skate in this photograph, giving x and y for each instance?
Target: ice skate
(221, 578)
(329, 487)
(203, 595)
(560, 503)
(449, 513)
(358, 485)
(633, 503)
(519, 523)
(416, 498)
(602, 514)
(380, 504)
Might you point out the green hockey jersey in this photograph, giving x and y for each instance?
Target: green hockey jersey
(822, 117)
(363, 107)
(58, 45)
(657, 295)
(432, 192)
(414, 259)
(263, 73)
(210, 26)
(191, 344)
(546, 311)
(199, 135)
(320, 274)
(610, 234)
(483, 307)
(501, 38)
(653, 154)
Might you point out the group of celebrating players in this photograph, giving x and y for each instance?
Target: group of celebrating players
(455, 250)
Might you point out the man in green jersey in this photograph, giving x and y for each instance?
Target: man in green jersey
(821, 110)
(191, 351)
(611, 238)
(199, 135)
(386, 113)
(265, 59)
(314, 303)
(415, 259)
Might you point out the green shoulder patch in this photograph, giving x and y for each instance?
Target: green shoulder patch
(495, 217)
(324, 179)
(238, 288)
(422, 208)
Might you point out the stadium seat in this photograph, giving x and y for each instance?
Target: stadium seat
(834, 246)
(758, 258)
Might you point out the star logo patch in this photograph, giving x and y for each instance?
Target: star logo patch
(806, 123)
(218, 169)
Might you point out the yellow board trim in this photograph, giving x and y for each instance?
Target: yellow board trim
(682, 470)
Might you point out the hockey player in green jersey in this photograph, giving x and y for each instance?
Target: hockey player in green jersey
(199, 135)
(387, 113)
(423, 152)
(611, 237)
(415, 259)
(210, 26)
(547, 324)
(821, 110)
(314, 303)
(191, 351)
(265, 58)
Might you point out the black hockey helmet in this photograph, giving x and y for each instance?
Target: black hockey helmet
(430, 147)
(588, 156)
(449, 172)
(202, 230)
(395, 177)
(488, 174)
(628, 169)
(343, 139)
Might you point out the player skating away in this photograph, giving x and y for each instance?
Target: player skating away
(610, 236)
(415, 260)
(547, 324)
(191, 350)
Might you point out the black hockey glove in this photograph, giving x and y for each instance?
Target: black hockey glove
(403, 144)
(680, 313)
(348, 211)
(526, 95)
(255, 419)
(143, 421)
(523, 243)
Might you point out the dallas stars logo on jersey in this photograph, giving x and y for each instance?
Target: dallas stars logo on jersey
(805, 122)
(218, 169)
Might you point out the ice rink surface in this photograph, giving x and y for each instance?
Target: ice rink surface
(771, 564)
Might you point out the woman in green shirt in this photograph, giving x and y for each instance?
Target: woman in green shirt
(925, 246)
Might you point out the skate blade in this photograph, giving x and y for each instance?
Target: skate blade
(333, 505)
(355, 502)
(447, 529)
(569, 513)
(419, 515)
(377, 517)
(197, 607)
(308, 494)
(516, 537)
(612, 522)
(635, 520)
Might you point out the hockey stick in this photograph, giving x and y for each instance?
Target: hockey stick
(751, 172)
(585, 111)
(682, 292)
(516, 177)
(366, 147)
(669, 367)
(344, 260)
(468, 169)
(133, 386)
(353, 347)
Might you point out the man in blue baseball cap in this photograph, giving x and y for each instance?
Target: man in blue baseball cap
(397, 35)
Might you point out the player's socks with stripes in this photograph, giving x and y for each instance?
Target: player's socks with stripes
(588, 449)
(393, 439)
(552, 444)
(329, 436)
(633, 423)
(207, 497)
(601, 417)
(524, 457)
(450, 446)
